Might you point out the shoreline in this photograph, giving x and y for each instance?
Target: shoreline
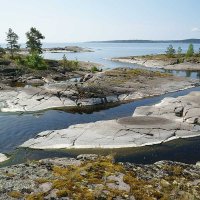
(109, 147)
(159, 64)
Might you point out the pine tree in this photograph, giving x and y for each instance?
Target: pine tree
(33, 43)
(64, 61)
(12, 42)
(190, 51)
(179, 51)
(170, 51)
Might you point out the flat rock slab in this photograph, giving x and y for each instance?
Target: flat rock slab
(119, 85)
(149, 125)
(164, 64)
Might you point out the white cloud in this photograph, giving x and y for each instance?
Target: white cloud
(196, 29)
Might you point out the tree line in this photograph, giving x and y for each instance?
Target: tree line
(171, 52)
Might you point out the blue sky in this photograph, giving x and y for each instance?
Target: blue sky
(87, 20)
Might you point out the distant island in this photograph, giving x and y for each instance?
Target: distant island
(194, 41)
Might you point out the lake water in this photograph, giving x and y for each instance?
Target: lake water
(16, 129)
(103, 52)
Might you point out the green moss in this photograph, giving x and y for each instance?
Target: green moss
(39, 196)
(15, 194)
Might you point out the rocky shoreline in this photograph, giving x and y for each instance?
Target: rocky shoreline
(167, 64)
(171, 119)
(67, 49)
(97, 177)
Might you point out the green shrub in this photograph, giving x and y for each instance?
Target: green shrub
(20, 61)
(94, 69)
(35, 61)
(69, 65)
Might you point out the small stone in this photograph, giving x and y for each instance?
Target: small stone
(179, 111)
(45, 187)
(164, 183)
(83, 173)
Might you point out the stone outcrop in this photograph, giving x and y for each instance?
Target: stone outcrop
(67, 49)
(169, 64)
(183, 109)
(119, 85)
(171, 119)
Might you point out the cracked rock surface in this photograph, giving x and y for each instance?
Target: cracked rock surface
(149, 125)
(117, 85)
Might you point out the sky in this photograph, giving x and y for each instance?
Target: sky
(97, 20)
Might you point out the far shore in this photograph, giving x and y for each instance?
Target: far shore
(161, 61)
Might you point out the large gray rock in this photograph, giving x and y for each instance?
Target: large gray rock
(149, 125)
(180, 109)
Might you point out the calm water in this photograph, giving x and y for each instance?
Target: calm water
(15, 129)
(103, 52)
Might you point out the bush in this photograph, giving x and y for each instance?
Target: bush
(20, 61)
(35, 61)
(69, 65)
(94, 69)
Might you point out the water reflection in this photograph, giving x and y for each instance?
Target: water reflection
(182, 73)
